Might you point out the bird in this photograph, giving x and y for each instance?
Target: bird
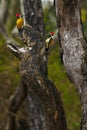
(19, 23)
(49, 41)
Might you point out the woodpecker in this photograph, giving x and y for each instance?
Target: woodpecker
(19, 23)
(49, 41)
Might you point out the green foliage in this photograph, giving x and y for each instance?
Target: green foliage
(9, 78)
(8, 65)
(11, 22)
(84, 15)
(85, 29)
(49, 19)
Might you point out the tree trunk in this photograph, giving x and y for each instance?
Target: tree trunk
(43, 100)
(46, 110)
(34, 14)
(34, 17)
(74, 49)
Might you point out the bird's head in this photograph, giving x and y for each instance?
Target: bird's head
(51, 33)
(18, 15)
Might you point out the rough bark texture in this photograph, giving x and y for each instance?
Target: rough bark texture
(46, 110)
(34, 14)
(74, 49)
(43, 100)
(34, 17)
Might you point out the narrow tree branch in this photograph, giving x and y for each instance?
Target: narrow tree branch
(22, 10)
(15, 49)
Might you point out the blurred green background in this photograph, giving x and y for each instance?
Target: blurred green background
(9, 70)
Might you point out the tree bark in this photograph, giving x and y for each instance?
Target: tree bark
(34, 14)
(74, 49)
(43, 114)
(34, 17)
(44, 103)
